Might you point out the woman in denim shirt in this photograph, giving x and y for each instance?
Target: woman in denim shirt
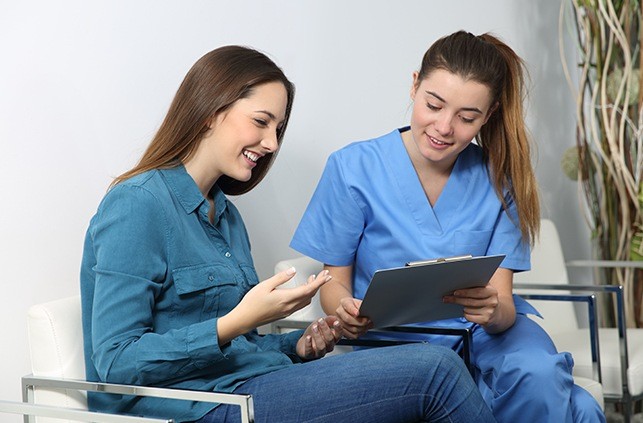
(171, 298)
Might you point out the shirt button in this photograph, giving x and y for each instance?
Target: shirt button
(210, 278)
(227, 254)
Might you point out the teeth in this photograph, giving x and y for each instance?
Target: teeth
(251, 156)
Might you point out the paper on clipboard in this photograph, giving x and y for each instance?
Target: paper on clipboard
(413, 294)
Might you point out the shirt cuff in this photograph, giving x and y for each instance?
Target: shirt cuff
(203, 343)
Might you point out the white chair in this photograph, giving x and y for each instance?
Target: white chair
(58, 373)
(620, 369)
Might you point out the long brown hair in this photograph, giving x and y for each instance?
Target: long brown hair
(504, 139)
(211, 86)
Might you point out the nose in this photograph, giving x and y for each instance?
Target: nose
(269, 143)
(443, 124)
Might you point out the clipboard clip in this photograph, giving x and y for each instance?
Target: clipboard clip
(439, 260)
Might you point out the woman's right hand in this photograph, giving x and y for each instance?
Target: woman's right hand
(353, 325)
(266, 303)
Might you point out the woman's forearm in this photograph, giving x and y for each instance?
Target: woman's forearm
(232, 325)
(504, 316)
(337, 288)
(331, 294)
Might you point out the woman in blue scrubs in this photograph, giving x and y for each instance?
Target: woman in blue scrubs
(170, 296)
(429, 190)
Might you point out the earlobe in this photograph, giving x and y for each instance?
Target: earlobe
(414, 86)
(209, 123)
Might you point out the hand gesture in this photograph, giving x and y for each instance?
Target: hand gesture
(266, 303)
(319, 338)
(352, 323)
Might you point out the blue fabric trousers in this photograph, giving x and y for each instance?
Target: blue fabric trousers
(523, 378)
(408, 383)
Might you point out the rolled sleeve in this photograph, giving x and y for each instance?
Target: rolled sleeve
(507, 239)
(332, 224)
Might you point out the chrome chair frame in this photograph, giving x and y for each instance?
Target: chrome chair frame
(31, 410)
(29, 383)
(626, 400)
(592, 315)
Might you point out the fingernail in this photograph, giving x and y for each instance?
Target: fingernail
(328, 278)
(320, 320)
(337, 324)
(291, 271)
(315, 328)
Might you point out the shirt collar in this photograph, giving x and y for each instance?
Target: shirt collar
(187, 192)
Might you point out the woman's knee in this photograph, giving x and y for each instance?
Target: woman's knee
(429, 359)
(530, 372)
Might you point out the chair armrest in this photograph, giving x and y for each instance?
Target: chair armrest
(464, 333)
(592, 313)
(634, 264)
(615, 290)
(27, 410)
(30, 382)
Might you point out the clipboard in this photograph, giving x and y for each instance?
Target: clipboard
(413, 293)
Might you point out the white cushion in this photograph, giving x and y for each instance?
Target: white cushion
(576, 342)
(56, 348)
(305, 267)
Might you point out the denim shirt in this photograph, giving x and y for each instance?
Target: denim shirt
(155, 276)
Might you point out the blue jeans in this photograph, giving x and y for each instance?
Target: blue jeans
(408, 383)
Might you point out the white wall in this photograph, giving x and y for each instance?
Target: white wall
(84, 85)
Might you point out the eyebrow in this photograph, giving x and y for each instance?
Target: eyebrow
(467, 109)
(266, 112)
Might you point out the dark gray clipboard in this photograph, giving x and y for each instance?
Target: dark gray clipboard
(413, 294)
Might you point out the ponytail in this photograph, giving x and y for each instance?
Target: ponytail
(504, 139)
(506, 143)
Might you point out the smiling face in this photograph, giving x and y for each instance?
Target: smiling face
(448, 112)
(242, 135)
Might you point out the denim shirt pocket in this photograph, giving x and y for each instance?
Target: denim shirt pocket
(209, 290)
(472, 242)
(250, 276)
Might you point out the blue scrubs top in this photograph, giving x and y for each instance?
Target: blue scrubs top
(370, 210)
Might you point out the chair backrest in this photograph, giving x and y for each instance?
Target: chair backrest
(56, 350)
(305, 267)
(548, 268)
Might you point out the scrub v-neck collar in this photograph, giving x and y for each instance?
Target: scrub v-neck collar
(431, 220)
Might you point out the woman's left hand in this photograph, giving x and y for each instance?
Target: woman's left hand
(319, 338)
(480, 304)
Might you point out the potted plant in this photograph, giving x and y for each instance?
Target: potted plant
(607, 160)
